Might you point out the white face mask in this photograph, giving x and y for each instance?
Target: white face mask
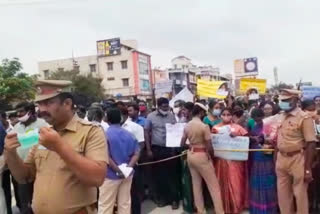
(164, 113)
(24, 118)
(176, 110)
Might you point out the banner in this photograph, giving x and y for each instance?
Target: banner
(225, 142)
(259, 84)
(174, 134)
(184, 95)
(109, 47)
(310, 92)
(212, 89)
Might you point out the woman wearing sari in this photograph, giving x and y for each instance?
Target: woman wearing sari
(214, 112)
(263, 189)
(232, 175)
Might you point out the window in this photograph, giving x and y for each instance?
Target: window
(60, 69)
(92, 68)
(46, 74)
(110, 66)
(110, 78)
(125, 82)
(144, 85)
(124, 64)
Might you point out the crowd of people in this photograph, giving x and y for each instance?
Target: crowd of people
(95, 160)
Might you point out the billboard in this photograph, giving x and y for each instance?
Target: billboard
(246, 67)
(109, 47)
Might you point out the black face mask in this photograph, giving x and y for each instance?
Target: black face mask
(238, 113)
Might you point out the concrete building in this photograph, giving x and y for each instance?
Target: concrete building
(185, 74)
(124, 75)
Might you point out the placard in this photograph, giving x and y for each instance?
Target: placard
(225, 142)
(259, 84)
(174, 134)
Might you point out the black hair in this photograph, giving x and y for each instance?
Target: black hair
(66, 95)
(3, 115)
(212, 103)
(196, 110)
(275, 109)
(134, 106)
(123, 110)
(307, 103)
(189, 106)
(28, 107)
(161, 101)
(97, 112)
(120, 103)
(114, 116)
(227, 109)
(316, 97)
(14, 114)
(257, 112)
(180, 102)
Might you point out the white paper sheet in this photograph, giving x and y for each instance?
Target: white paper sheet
(174, 134)
(126, 171)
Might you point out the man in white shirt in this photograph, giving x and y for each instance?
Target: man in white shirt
(28, 121)
(96, 115)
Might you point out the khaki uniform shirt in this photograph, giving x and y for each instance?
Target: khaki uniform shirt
(197, 132)
(296, 129)
(56, 188)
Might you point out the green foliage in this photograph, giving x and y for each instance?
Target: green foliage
(87, 89)
(15, 85)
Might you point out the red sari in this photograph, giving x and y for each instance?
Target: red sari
(233, 178)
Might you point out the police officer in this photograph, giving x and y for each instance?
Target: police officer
(296, 148)
(70, 161)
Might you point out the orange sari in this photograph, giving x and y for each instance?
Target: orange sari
(233, 178)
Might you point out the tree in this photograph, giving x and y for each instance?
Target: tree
(87, 89)
(15, 86)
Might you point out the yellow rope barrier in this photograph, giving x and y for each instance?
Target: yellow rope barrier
(220, 150)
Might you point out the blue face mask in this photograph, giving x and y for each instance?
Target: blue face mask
(285, 106)
(216, 112)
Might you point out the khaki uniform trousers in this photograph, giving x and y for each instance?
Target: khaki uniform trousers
(290, 182)
(202, 167)
(113, 191)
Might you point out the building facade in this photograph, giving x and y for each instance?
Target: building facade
(124, 75)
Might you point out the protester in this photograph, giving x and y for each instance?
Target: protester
(296, 145)
(317, 102)
(67, 153)
(133, 111)
(6, 124)
(179, 112)
(137, 189)
(143, 109)
(188, 107)
(200, 157)
(81, 112)
(268, 108)
(166, 175)
(214, 113)
(5, 191)
(96, 115)
(233, 175)
(239, 115)
(123, 149)
(309, 107)
(13, 118)
(28, 121)
(262, 177)
(3, 205)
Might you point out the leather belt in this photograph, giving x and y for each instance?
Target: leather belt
(195, 149)
(290, 154)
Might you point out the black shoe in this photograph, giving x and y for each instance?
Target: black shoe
(175, 205)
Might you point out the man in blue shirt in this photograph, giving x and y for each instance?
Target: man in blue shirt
(124, 153)
(133, 111)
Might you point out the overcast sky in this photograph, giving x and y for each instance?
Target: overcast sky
(282, 33)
